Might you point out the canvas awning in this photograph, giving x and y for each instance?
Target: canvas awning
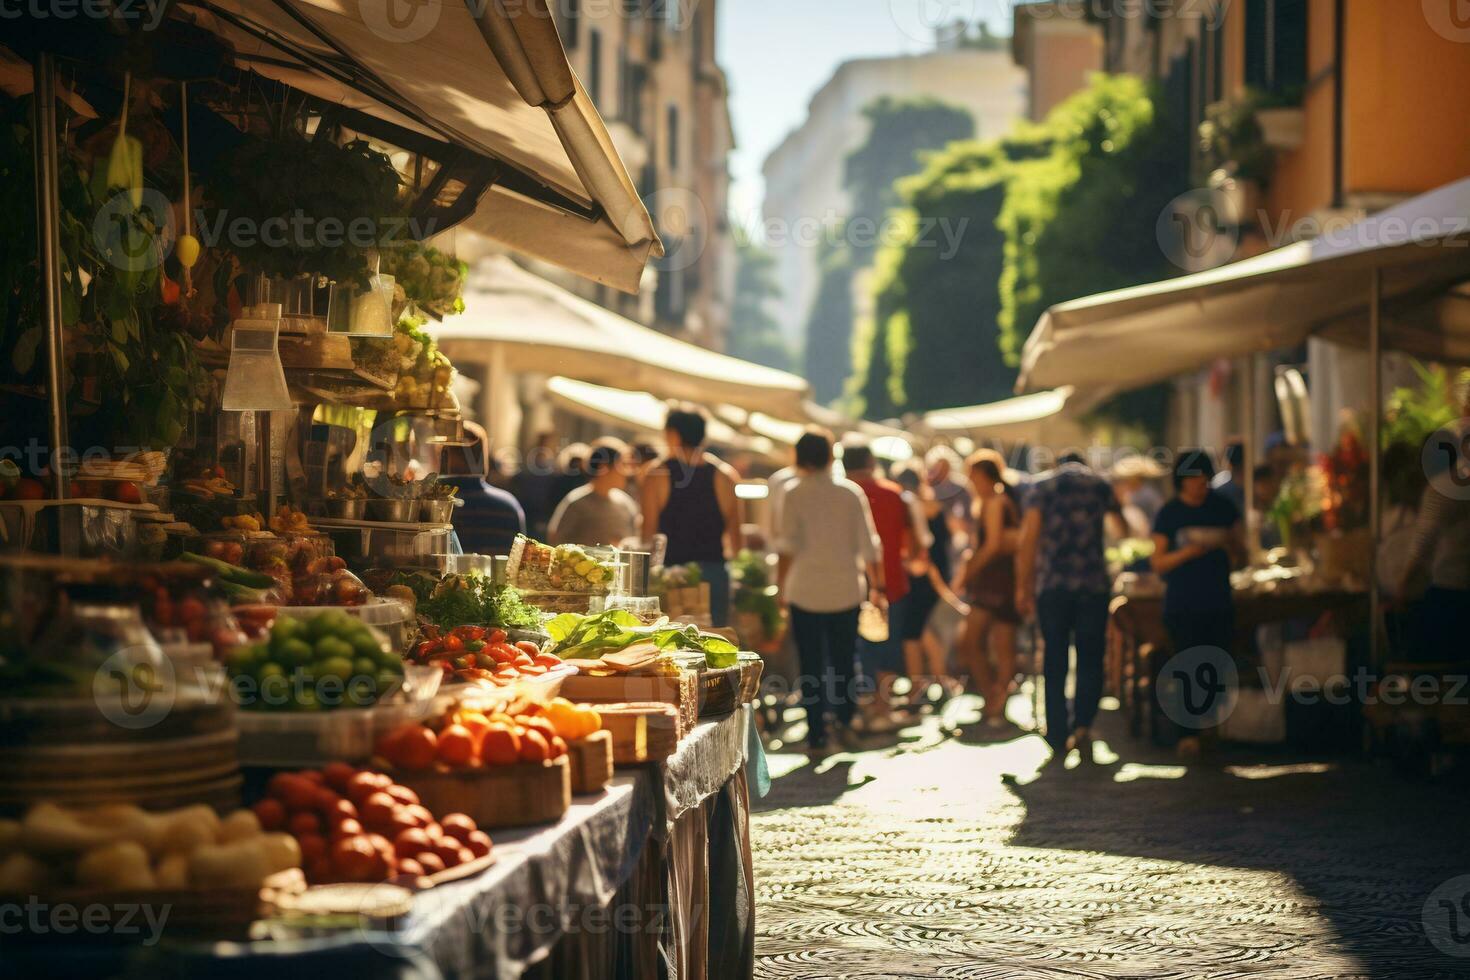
(1131, 337)
(537, 326)
(1039, 418)
(491, 78)
(642, 413)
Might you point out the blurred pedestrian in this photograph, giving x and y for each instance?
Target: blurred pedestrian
(600, 511)
(882, 660)
(829, 563)
(988, 644)
(1062, 577)
(689, 497)
(488, 518)
(1198, 538)
(925, 656)
(534, 484)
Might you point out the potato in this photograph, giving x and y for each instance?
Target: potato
(240, 825)
(21, 874)
(119, 866)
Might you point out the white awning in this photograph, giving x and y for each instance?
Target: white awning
(642, 413)
(540, 327)
(1040, 418)
(1131, 337)
(489, 77)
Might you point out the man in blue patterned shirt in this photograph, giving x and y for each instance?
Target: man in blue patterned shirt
(1062, 577)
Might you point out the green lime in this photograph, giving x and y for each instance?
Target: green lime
(287, 627)
(331, 624)
(269, 669)
(339, 667)
(366, 645)
(306, 700)
(242, 660)
(295, 653)
(364, 667)
(330, 647)
(387, 680)
(389, 660)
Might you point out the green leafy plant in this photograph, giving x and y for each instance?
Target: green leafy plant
(1230, 139)
(430, 279)
(306, 205)
(591, 637)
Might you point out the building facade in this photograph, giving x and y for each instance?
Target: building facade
(1057, 53)
(804, 196)
(1359, 104)
(650, 68)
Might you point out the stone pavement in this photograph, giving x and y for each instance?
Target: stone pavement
(918, 860)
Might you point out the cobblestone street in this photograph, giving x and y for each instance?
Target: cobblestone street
(919, 860)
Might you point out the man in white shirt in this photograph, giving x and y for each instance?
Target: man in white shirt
(830, 552)
(600, 511)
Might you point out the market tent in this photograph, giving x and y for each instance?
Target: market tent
(1040, 418)
(524, 323)
(641, 412)
(1127, 338)
(488, 77)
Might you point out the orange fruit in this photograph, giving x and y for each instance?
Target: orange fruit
(410, 747)
(535, 747)
(500, 747)
(456, 746)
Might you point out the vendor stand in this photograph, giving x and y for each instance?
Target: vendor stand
(1392, 281)
(307, 731)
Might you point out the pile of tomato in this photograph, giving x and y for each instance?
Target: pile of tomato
(478, 653)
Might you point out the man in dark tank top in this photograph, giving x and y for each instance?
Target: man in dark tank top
(689, 497)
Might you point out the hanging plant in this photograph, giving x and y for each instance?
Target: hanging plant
(288, 205)
(430, 279)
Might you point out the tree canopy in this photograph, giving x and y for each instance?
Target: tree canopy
(754, 333)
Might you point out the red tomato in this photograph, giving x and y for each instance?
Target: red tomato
(527, 647)
(471, 632)
(458, 825)
(547, 660)
(403, 794)
(304, 822)
(534, 670)
(271, 814)
(377, 811)
(478, 842)
(365, 784)
(312, 776)
(496, 636)
(534, 746)
(342, 810)
(503, 652)
(453, 644)
(355, 859)
(521, 660)
(326, 800)
(313, 848)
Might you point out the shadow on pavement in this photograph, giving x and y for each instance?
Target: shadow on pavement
(1366, 852)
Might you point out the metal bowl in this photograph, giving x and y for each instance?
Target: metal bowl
(347, 508)
(438, 511)
(393, 510)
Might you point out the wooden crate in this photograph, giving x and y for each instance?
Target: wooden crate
(682, 692)
(592, 762)
(641, 732)
(518, 795)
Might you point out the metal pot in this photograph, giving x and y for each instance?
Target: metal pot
(393, 510)
(438, 511)
(347, 508)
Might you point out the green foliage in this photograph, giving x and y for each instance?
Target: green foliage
(827, 360)
(1230, 140)
(754, 333)
(133, 380)
(1413, 414)
(312, 205)
(899, 131)
(432, 280)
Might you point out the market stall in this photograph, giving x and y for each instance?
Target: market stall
(250, 683)
(1395, 280)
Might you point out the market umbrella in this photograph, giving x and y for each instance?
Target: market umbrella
(523, 323)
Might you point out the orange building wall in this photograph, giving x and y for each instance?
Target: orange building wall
(1061, 62)
(1303, 179)
(1408, 101)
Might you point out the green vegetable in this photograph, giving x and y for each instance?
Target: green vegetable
(231, 573)
(470, 600)
(592, 637)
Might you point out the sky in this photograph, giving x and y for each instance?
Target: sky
(777, 53)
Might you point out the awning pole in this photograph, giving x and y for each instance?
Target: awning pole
(1375, 454)
(1248, 461)
(48, 219)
